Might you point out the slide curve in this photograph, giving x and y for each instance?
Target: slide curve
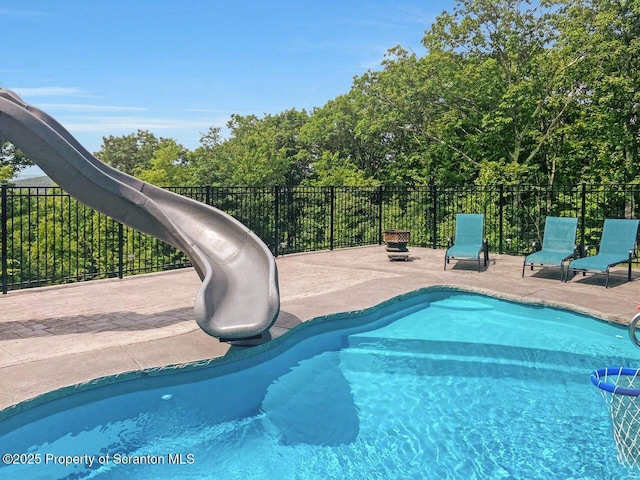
(239, 297)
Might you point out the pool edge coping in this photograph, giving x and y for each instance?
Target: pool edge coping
(248, 352)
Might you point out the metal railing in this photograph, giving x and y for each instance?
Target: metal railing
(49, 238)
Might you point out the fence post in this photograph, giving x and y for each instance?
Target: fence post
(5, 273)
(380, 194)
(434, 217)
(332, 191)
(207, 195)
(276, 220)
(583, 215)
(500, 219)
(120, 250)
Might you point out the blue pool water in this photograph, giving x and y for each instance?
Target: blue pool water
(439, 385)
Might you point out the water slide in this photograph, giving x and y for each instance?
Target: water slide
(239, 297)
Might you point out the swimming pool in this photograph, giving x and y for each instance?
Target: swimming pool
(439, 384)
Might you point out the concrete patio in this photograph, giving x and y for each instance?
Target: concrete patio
(60, 336)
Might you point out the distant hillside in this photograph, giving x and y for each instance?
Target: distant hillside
(34, 182)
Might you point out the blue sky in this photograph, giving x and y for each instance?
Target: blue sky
(178, 67)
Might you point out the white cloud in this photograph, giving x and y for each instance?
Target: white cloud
(48, 91)
(203, 110)
(111, 124)
(13, 12)
(90, 130)
(79, 107)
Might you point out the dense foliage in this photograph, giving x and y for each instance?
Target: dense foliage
(513, 107)
(507, 91)
(51, 238)
(12, 160)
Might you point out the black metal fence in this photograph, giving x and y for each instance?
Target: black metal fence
(49, 238)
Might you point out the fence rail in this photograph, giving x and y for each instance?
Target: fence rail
(47, 237)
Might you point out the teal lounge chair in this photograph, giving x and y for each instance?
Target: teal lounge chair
(468, 242)
(617, 245)
(558, 244)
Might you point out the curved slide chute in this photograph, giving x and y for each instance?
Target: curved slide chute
(239, 297)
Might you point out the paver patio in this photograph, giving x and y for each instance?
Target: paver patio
(55, 337)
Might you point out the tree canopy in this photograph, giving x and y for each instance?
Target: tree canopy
(507, 91)
(12, 161)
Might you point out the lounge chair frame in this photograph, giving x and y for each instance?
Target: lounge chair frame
(610, 259)
(558, 245)
(468, 249)
(584, 271)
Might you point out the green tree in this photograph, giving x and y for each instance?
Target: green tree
(332, 140)
(333, 170)
(605, 132)
(486, 103)
(167, 166)
(503, 70)
(12, 161)
(413, 115)
(259, 152)
(129, 153)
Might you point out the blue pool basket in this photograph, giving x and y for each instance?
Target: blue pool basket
(620, 389)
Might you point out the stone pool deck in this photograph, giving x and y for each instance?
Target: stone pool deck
(55, 337)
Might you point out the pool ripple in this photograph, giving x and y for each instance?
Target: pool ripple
(417, 389)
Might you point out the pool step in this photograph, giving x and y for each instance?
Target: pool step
(425, 365)
(424, 354)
